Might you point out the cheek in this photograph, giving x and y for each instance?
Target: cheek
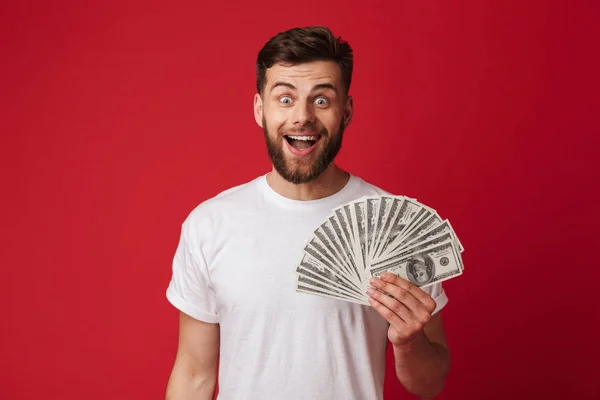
(274, 121)
(330, 122)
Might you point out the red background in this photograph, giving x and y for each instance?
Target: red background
(118, 119)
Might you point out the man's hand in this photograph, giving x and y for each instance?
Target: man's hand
(405, 306)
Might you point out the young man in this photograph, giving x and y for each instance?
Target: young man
(233, 280)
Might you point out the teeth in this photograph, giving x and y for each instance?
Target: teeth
(306, 138)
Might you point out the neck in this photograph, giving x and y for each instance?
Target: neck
(329, 182)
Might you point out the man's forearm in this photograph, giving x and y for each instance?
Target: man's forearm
(422, 367)
(184, 385)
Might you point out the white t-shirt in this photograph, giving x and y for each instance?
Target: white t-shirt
(235, 265)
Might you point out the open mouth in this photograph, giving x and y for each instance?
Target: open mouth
(302, 142)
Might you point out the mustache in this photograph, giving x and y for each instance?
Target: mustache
(306, 128)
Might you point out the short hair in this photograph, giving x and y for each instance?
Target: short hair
(300, 45)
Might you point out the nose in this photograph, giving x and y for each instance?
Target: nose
(303, 113)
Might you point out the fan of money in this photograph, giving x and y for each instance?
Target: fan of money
(377, 234)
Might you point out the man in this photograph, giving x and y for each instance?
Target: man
(234, 269)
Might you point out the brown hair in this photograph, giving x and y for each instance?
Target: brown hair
(299, 45)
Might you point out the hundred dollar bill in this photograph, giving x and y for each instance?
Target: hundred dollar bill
(427, 267)
(310, 286)
(343, 241)
(431, 220)
(385, 205)
(358, 210)
(372, 210)
(406, 212)
(347, 212)
(330, 250)
(460, 246)
(336, 241)
(316, 251)
(432, 242)
(309, 289)
(345, 222)
(306, 276)
(312, 268)
(427, 220)
(421, 216)
(344, 216)
(391, 215)
(444, 227)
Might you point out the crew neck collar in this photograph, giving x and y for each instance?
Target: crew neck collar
(328, 201)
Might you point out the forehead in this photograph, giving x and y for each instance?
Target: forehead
(305, 74)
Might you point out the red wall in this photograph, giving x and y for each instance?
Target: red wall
(117, 120)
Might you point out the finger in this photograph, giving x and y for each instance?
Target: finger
(392, 304)
(411, 288)
(399, 293)
(390, 316)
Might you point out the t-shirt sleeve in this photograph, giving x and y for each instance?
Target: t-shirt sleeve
(190, 289)
(438, 294)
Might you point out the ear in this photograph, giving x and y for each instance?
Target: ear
(348, 110)
(258, 110)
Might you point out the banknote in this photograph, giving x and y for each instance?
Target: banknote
(428, 267)
(374, 234)
(325, 263)
(359, 223)
(341, 238)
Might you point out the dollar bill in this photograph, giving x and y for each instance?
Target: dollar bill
(419, 214)
(344, 216)
(325, 261)
(417, 237)
(372, 204)
(384, 209)
(427, 220)
(358, 211)
(312, 268)
(394, 208)
(407, 211)
(306, 276)
(335, 242)
(373, 234)
(330, 249)
(427, 267)
(309, 289)
(343, 242)
(432, 242)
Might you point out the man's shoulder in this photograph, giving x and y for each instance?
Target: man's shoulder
(367, 188)
(227, 200)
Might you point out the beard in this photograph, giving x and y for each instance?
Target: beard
(299, 171)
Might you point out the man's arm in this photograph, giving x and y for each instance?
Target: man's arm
(194, 372)
(423, 364)
(420, 347)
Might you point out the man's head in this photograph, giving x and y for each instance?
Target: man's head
(302, 102)
(420, 272)
(420, 269)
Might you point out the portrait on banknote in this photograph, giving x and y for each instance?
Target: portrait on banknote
(420, 269)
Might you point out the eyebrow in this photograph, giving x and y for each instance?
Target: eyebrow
(316, 87)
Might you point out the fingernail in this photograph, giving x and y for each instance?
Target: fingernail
(383, 275)
(370, 291)
(374, 281)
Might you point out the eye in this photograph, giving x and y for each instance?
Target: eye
(321, 101)
(285, 100)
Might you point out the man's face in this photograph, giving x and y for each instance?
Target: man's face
(421, 273)
(303, 112)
